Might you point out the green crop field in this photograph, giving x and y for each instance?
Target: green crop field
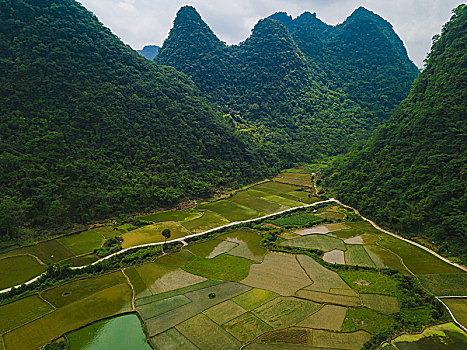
(284, 201)
(416, 259)
(211, 248)
(18, 269)
(329, 317)
(459, 309)
(254, 298)
(206, 222)
(141, 290)
(445, 284)
(382, 303)
(84, 242)
(275, 188)
(50, 251)
(224, 267)
(22, 311)
(248, 244)
(293, 335)
(224, 312)
(162, 278)
(285, 311)
(172, 339)
(231, 211)
(205, 334)
(159, 307)
(328, 298)
(367, 320)
(153, 234)
(321, 242)
(301, 196)
(80, 260)
(259, 204)
(72, 292)
(172, 215)
(383, 257)
(332, 340)
(246, 327)
(357, 255)
(279, 273)
(370, 282)
(298, 219)
(102, 304)
(180, 258)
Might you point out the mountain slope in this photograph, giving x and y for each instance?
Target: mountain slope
(88, 128)
(411, 175)
(149, 51)
(266, 85)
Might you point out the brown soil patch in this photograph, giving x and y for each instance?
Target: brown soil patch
(362, 283)
(270, 225)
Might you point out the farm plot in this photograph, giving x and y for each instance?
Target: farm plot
(334, 257)
(279, 273)
(231, 211)
(368, 320)
(284, 201)
(50, 251)
(172, 215)
(248, 244)
(84, 242)
(212, 248)
(205, 334)
(381, 303)
(301, 196)
(153, 234)
(297, 219)
(205, 222)
(322, 229)
(370, 282)
(357, 255)
(332, 213)
(246, 327)
(416, 259)
(104, 303)
(450, 284)
(200, 301)
(294, 179)
(330, 317)
(172, 340)
(222, 267)
(22, 311)
(224, 312)
(159, 307)
(140, 288)
(321, 242)
(332, 340)
(18, 269)
(459, 309)
(261, 205)
(383, 257)
(254, 298)
(80, 260)
(285, 311)
(328, 298)
(275, 188)
(180, 258)
(160, 278)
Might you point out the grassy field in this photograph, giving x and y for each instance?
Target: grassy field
(332, 340)
(172, 339)
(224, 312)
(18, 269)
(298, 219)
(370, 282)
(246, 327)
(80, 260)
(141, 290)
(206, 222)
(231, 211)
(222, 267)
(254, 298)
(445, 284)
(205, 334)
(285, 311)
(84, 242)
(248, 244)
(279, 273)
(50, 251)
(284, 201)
(254, 202)
(321, 242)
(328, 298)
(102, 304)
(416, 259)
(329, 317)
(382, 303)
(459, 309)
(22, 311)
(293, 335)
(75, 291)
(275, 188)
(357, 255)
(212, 248)
(153, 234)
(159, 307)
(367, 320)
(160, 278)
(172, 215)
(383, 257)
(180, 258)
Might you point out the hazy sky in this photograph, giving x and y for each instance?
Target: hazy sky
(142, 22)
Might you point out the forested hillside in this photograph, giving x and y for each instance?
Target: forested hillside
(411, 175)
(272, 86)
(89, 129)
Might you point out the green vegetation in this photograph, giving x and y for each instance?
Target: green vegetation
(224, 312)
(231, 211)
(18, 269)
(223, 267)
(370, 282)
(411, 174)
(459, 309)
(328, 317)
(156, 308)
(319, 242)
(206, 222)
(84, 242)
(367, 320)
(212, 248)
(246, 327)
(254, 298)
(259, 204)
(172, 339)
(445, 284)
(153, 234)
(292, 335)
(357, 255)
(172, 215)
(248, 244)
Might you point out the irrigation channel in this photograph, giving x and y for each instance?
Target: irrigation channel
(182, 239)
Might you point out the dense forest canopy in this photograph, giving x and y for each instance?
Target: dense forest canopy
(304, 86)
(90, 129)
(411, 175)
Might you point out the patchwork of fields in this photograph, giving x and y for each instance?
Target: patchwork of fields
(230, 291)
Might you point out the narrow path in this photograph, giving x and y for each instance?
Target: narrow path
(133, 299)
(24, 254)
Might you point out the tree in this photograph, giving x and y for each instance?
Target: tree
(166, 233)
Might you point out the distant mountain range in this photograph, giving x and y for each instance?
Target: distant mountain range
(149, 51)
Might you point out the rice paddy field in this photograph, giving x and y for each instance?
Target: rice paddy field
(229, 291)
